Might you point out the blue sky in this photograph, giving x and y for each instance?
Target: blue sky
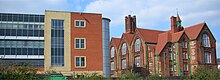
(151, 14)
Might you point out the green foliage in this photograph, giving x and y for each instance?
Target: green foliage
(131, 75)
(86, 76)
(14, 72)
(155, 77)
(205, 73)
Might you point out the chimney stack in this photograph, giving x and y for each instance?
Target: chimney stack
(173, 24)
(130, 24)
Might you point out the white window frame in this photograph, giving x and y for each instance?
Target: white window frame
(123, 64)
(205, 40)
(137, 61)
(124, 49)
(170, 56)
(80, 62)
(137, 45)
(112, 52)
(112, 65)
(174, 67)
(80, 23)
(185, 55)
(80, 43)
(185, 67)
(207, 57)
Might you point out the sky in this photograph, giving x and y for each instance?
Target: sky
(151, 14)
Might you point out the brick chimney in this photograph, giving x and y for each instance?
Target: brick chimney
(173, 24)
(130, 24)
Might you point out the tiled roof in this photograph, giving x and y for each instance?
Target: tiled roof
(128, 37)
(193, 31)
(163, 38)
(149, 35)
(176, 36)
(116, 41)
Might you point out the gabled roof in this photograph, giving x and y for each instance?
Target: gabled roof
(193, 31)
(149, 35)
(128, 37)
(176, 36)
(116, 41)
(163, 39)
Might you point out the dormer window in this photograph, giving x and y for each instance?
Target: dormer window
(205, 40)
(137, 45)
(123, 51)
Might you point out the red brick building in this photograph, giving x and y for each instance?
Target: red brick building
(175, 52)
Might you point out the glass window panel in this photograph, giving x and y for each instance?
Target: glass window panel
(13, 32)
(35, 51)
(7, 32)
(35, 32)
(1, 51)
(25, 32)
(7, 51)
(19, 51)
(41, 51)
(24, 51)
(20, 18)
(4, 17)
(77, 23)
(2, 32)
(15, 17)
(13, 51)
(30, 32)
(30, 52)
(77, 61)
(41, 33)
(82, 23)
(9, 18)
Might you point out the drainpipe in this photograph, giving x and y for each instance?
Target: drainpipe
(146, 59)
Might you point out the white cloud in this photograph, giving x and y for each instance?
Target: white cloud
(156, 13)
(32, 6)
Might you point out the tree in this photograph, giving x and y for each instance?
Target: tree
(206, 73)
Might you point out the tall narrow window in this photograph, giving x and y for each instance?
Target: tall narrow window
(123, 64)
(80, 43)
(57, 43)
(112, 65)
(184, 44)
(185, 67)
(137, 45)
(112, 52)
(185, 55)
(207, 57)
(205, 40)
(80, 62)
(137, 61)
(123, 49)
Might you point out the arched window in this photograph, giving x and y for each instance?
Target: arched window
(205, 40)
(112, 51)
(123, 49)
(137, 45)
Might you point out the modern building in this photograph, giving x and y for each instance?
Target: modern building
(176, 52)
(22, 39)
(73, 43)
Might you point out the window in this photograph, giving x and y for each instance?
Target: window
(185, 55)
(171, 68)
(185, 67)
(80, 62)
(205, 40)
(112, 52)
(137, 45)
(57, 42)
(207, 57)
(184, 44)
(137, 61)
(123, 64)
(123, 49)
(174, 67)
(170, 56)
(112, 65)
(80, 23)
(80, 43)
